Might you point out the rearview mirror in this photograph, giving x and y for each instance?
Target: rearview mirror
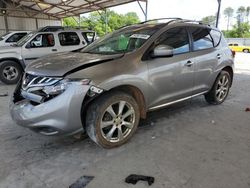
(162, 51)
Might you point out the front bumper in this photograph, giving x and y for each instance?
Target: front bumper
(58, 116)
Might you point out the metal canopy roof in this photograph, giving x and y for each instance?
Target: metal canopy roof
(65, 8)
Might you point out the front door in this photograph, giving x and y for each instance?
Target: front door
(171, 78)
(41, 45)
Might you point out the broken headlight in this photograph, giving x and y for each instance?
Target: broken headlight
(62, 85)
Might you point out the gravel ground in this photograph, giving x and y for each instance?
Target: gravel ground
(188, 145)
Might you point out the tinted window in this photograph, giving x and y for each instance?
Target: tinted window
(88, 36)
(43, 40)
(177, 39)
(201, 38)
(68, 39)
(216, 35)
(16, 37)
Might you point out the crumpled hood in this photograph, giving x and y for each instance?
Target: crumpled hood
(10, 49)
(62, 63)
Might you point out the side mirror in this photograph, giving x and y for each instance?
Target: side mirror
(162, 51)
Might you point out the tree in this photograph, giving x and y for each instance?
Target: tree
(210, 20)
(228, 12)
(247, 13)
(240, 14)
(97, 21)
(239, 31)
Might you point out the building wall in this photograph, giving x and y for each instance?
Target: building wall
(240, 41)
(29, 24)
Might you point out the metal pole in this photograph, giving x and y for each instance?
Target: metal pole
(6, 23)
(218, 13)
(106, 21)
(146, 15)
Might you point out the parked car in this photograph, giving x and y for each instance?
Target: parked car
(106, 88)
(14, 59)
(239, 48)
(11, 38)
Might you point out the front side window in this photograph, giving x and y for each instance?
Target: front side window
(177, 39)
(201, 38)
(42, 40)
(68, 38)
(16, 37)
(122, 41)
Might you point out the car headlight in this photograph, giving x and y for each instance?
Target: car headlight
(62, 85)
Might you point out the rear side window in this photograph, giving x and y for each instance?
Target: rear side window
(177, 38)
(88, 36)
(216, 35)
(16, 37)
(68, 38)
(201, 38)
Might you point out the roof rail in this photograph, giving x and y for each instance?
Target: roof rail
(59, 28)
(174, 20)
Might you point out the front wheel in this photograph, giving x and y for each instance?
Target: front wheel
(112, 119)
(10, 72)
(220, 89)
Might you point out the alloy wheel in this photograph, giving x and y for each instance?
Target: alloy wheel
(117, 121)
(222, 88)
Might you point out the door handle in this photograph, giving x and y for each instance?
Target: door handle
(218, 56)
(54, 50)
(189, 63)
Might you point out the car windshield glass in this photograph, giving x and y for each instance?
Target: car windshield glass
(122, 41)
(25, 39)
(4, 35)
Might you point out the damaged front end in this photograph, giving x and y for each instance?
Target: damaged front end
(51, 105)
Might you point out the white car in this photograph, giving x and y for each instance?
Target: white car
(11, 38)
(34, 45)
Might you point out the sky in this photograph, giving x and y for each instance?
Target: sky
(189, 9)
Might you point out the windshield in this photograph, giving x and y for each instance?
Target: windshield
(122, 41)
(4, 36)
(25, 39)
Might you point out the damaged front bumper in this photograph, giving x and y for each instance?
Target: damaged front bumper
(60, 115)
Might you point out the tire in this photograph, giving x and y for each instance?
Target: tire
(107, 134)
(220, 89)
(10, 72)
(245, 51)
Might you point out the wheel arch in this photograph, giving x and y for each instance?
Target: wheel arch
(229, 69)
(14, 60)
(137, 94)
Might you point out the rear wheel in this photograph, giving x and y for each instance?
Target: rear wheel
(220, 89)
(246, 50)
(112, 119)
(10, 72)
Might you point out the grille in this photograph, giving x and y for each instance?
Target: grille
(30, 80)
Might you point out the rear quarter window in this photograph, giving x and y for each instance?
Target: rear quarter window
(216, 35)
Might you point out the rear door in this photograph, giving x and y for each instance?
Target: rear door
(70, 41)
(207, 55)
(171, 78)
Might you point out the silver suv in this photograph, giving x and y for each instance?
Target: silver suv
(106, 88)
(34, 45)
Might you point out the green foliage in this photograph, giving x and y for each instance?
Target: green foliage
(96, 21)
(210, 20)
(239, 31)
